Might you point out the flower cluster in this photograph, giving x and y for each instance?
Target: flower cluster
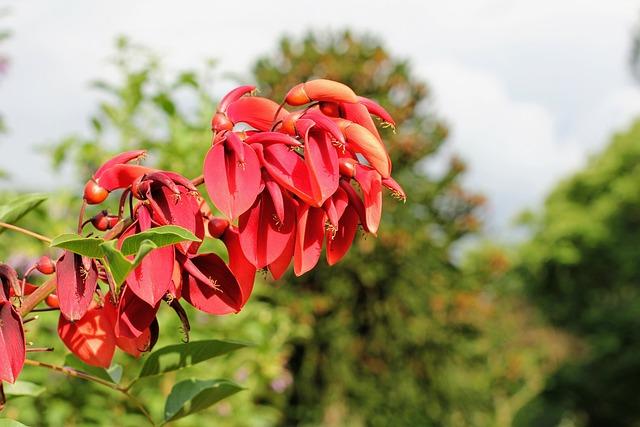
(285, 184)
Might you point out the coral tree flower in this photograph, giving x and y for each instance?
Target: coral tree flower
(286, 183)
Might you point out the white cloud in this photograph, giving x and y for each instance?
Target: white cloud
(529, 87)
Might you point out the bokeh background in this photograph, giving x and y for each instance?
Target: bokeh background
(505, 292)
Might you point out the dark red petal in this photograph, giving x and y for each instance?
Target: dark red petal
(255, 111)
(76, 282)
(9, 283)
(221, 294)
(309, 235)
(183, 211)
(338, 244)
(371, 185)
(121, 158)
(133, 346)
(134, 315)
(91, 338)
(12, 343)
(233, 186)
(263, 235)
(244, 271)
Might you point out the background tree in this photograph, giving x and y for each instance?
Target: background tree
(399, 333)
(581, 268)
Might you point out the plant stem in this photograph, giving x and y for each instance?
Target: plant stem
(32, 300)
(79, 374)
(25, 231)
(199, 180)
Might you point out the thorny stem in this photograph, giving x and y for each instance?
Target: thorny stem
(25, 231)
(82, 375)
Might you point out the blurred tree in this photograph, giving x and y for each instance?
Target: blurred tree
(400, 336)
(581, 268)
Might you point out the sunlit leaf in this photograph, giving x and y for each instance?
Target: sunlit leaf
(23, 388)
(160, 236)
(86, 246)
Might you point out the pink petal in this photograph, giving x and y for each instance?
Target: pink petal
(338, 244)
(221, 294)
(371, 185)
(232, 186)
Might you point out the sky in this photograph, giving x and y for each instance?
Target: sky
(529, 88)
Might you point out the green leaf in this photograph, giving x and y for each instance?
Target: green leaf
(23, 388)
(191, 396)
(6, 422)
(160, 236)
(179, 356)
(87, 246)
(14, 209)
(119, 265)
(113, 374)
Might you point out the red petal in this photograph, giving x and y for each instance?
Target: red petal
(359, 114)
(309, 235)
(280, 265)
(12, 343)
(221, 294)
(356, 202)
(335, 206)
(256, 111)
(320, 90)
(91, 338)
(376, 109)
(121, 176)
(267, 138)
(244, 271)
(371, 186)
(121, 158)
(338, 244)
(232, 186)
(263, 236)
(360, 140)
(183, 211)
(287, 169)
(134, 315)
(133, 346)
(233, 96)
(396, 189)
(321, 159)
(76, 283)
(151, 280)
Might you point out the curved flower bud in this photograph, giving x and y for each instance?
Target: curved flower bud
(320, 90)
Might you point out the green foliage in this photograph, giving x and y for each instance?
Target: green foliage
(13, 210)
(182, 356)
(581, 268)
(191, 396)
